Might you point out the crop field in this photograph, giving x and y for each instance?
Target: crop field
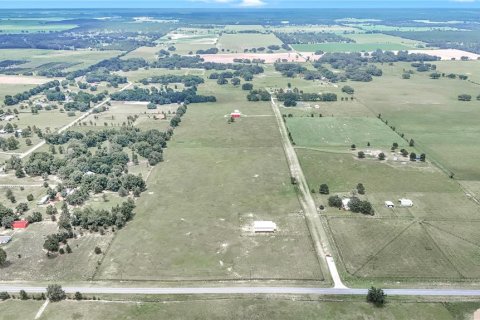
(39, 58)
(13, 26)
(248, 308)
(207, 236)
(244, 27)
(239, 41)
(380, 38)
(147, 53)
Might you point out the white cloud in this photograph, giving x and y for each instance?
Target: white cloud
(464, 1)
(252, 3)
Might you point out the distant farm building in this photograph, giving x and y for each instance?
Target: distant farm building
(20, 224)
(5, 239)
(406, 202)
(345, 203)
(236, 114)
(389, 204)
(264, 226)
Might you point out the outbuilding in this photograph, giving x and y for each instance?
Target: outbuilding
(5, 239)
(20, 224)
(264, 226)
(345, 202)
(236, 114)
(389, 204)
(405, 202)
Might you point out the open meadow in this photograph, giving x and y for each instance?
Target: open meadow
(228, 175)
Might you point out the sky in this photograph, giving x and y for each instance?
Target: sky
(7, 4)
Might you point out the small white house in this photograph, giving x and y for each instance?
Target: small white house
(345, 203)
(264, 226)
(389, 204)
(405, 202)
(43, 200)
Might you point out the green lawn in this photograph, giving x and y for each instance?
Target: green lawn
(17, 309)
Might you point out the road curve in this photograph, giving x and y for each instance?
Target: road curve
(246, 290)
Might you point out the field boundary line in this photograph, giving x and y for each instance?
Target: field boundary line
(440, 249)
(385, 245)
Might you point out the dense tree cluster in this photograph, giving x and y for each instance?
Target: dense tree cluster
(11, 100)
(400, 56)
(288, 97)
(163, 96)
(93, 219)
(311, 37)
(258, 95)
(207, 51)
(103, 74)
(290, 69)
(188, 81)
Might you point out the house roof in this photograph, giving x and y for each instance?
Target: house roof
(20, 224)
(264, 225)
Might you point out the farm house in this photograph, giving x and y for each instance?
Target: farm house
(345, 203)
(20, 224)
(405, 202)
(264, 226)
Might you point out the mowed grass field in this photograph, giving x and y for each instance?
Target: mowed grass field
(341, 132)
(17, 309)
(248, 308)
(429, 112)
(237, 42)
(434, 239)
(193, 221)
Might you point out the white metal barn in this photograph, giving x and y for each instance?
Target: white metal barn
(405, 202)
(264, 226)
(345, 203)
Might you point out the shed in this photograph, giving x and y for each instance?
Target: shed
(236, 114)
(405, 202)
(43, 200)
(264, 226)
(20, 224)
(389, 204)
(5, 239)
(345, 202)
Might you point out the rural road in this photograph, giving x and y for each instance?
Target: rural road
(247, 290)
(314, 224)
(41, 143)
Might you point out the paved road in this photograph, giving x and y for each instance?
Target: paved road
(315, 226)
(247, 290)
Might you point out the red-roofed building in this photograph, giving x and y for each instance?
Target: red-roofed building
(21, 224)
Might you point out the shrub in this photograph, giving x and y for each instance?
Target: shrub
(335, 201)
(376, 296)
(55, 293)
(98, 250)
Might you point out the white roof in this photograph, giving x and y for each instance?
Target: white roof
(389, 203)
(5, 239)
(264, 226)
(406, 202)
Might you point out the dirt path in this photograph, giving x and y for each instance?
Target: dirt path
(314, 223)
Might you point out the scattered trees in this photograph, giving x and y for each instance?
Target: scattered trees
(324, 189)
(464, 97)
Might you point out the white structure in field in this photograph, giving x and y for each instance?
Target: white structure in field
(264, 226)
(405, 202)
(389, 204)
(345, 202)
(43, 200)
(5, 239)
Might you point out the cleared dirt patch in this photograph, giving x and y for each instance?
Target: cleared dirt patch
(22, 80)
(448, 54)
